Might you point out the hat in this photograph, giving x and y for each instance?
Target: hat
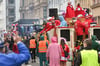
(80, 16)
(1, 44)
(89, 15)
(50, 18)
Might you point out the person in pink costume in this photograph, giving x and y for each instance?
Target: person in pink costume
(54, 52)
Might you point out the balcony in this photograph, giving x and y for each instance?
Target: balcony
(11, 15)
(10, 7)
(22, 9)
(43, 1)
(96, 5)
(31, 6)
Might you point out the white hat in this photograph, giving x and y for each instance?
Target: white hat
(50, 18)
(79, 9)
(79, 16)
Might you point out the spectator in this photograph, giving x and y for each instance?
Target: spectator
(15, 48)
(26, 41)
(33, 49)
(13, 59)
(95, 45)
(88, 56)
(11, 42)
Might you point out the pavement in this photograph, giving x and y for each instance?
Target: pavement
(37, 63)
(33, 64)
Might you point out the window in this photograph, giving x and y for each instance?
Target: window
(98, 1)
(22, 2)
(44, 12)
(11, 1)
(23, 15)
(11, 12)
(11, 19)
(65, 34)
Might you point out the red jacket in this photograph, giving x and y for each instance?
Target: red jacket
(87, 25)
(57, 22)
(66, 49)
(79, 28)
(49, 26)
(77, 48)
(15, 49)
(70, 13)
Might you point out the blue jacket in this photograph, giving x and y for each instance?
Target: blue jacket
(63, 22)
(13, 59)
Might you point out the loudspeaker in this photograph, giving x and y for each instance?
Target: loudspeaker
(65, 34)
(53, 12)
(97, 33)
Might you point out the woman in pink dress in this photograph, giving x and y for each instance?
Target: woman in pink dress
(64, 48)
(54, 52)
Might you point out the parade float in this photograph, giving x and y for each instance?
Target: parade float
(69, 31)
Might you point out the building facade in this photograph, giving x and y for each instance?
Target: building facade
(12, 12)
(60, 4)
(17, 8)
(9, 13)
(2, 15)
(96, 10)
(33, 9)
(84, 3)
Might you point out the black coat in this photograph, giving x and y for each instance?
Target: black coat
(26, 42)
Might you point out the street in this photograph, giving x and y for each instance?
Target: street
(32, 64)
(37, 63)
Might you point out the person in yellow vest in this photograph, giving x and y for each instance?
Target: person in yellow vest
(33, 49)
(42, 49)
(88, 56)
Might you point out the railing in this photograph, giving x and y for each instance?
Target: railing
(42, 1)
(11, 14)
(11, 4)
(96, 3)
(22, 9)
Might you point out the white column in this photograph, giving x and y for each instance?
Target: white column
(17, 7)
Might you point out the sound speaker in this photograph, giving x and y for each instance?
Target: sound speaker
(97, 33)
(65, 34)
(53, 12)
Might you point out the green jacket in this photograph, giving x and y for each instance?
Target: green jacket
(95, 45)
